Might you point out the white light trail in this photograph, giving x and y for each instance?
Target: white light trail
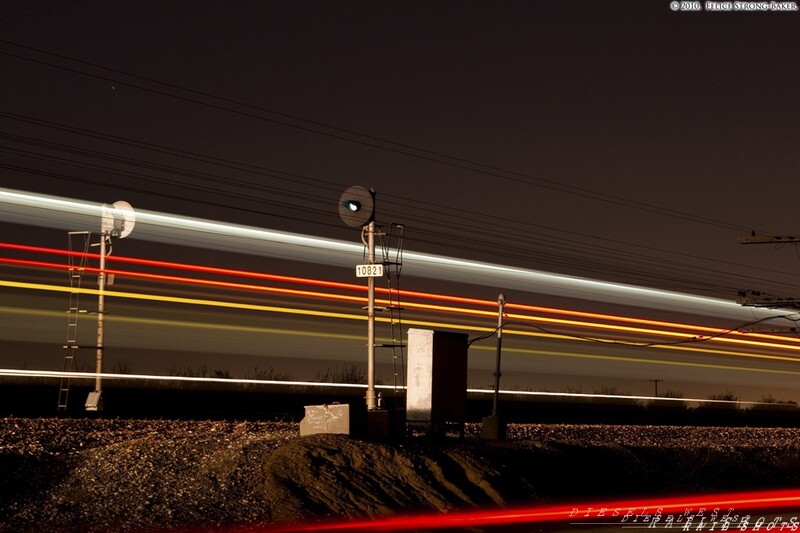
(58, 374)
(15, 372)
(49, 211)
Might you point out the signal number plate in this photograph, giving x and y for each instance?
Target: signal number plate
(369, 271)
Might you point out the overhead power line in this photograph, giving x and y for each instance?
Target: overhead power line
(344, 134)
(495, 241)
(465, 231)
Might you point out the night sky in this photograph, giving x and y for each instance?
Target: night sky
(617, 140)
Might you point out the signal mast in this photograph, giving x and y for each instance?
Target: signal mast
(117, 221)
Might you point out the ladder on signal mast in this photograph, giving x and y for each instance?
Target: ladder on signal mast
(392, 248)
(77, 267)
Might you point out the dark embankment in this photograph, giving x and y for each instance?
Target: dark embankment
(141, 475)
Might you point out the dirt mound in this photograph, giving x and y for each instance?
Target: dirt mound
(202, 481)
(333, 475)
(164, 474)
(110, 475)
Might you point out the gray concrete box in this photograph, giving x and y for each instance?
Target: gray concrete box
(436, 377)
(333, 418)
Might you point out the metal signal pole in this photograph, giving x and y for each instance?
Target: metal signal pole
(492, 426)
(101, 282)
(372, 402)
(501, 302)
(117, 221)
(357, 210)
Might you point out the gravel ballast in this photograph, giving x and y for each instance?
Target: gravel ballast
(141, 475)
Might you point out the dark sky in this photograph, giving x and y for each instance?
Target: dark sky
(619, 140)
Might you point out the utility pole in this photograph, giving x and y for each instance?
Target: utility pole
(656, 382)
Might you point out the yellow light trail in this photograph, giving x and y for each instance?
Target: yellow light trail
(328, 314)
(208, 325)
(594, 325)
(179, 300)
(557, 353)
(713, 333)
(439, 308)
(190, 324)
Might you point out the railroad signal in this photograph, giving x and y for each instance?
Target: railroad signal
(357, 209)
(357, 206)
(116, 221)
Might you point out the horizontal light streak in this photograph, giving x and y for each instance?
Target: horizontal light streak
(15, 372)
(323, 314)
(508, 349)
(586, 395)
(742, 503)
(193, 281)
(626, 359)
(403, 294)
(424, 306)
(43, 210)
(189, 267)
(181, 300)
(647, 331)
(59, 374)
(90, 214)
(610, 327)
(641, 321)
(17, 311)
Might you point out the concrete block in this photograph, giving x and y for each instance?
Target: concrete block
(334, 418)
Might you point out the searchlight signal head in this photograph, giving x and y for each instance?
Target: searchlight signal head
(118, 219)
(357, 206)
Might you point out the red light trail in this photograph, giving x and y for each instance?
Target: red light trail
(785, 343)
(195, 281)
(186, 267)
(621, 512)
